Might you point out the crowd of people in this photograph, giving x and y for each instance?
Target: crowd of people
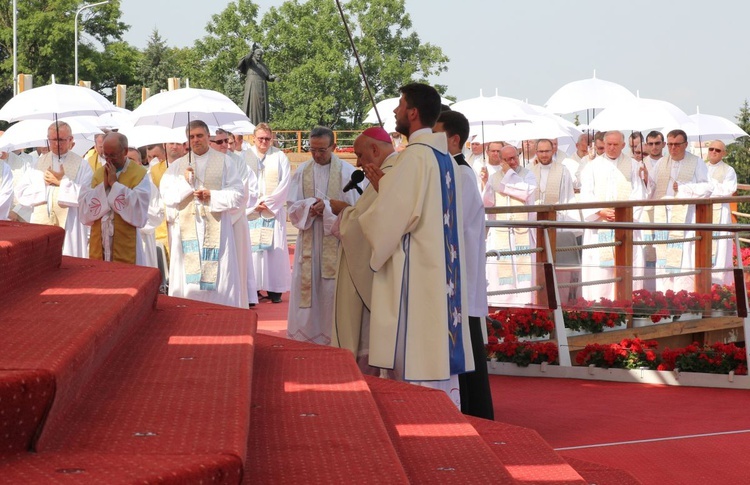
(397, 275)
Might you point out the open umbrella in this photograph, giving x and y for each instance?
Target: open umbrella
(495, 109)
(55, 101)
(144, 135)
(711, 127)
(33, 133)
(640, 114)
(386, 107)
(587, 94)
(173, 109)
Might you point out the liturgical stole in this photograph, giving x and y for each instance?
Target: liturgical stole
(51, 213)
(124, 239)
(329, 258)
(202, 263)
(602, 190)
(512, 269)
(719, 175)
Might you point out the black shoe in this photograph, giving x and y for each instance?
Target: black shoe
(251, 305)
(275, 297)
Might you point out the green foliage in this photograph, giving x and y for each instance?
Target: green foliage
(738, 155)
(46, 41)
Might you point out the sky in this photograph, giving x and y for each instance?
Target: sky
(688, 52)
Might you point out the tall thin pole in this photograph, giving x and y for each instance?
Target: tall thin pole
(75, 31)
(15, 49)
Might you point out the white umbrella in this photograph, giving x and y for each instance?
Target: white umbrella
(55, 100)
(173, 109)
(587, 94)
(537, 127)
(640, 114)
(239, 127)
(386, 107)
(143, 135)
(710, 127)
(33, 133)
(495, 109)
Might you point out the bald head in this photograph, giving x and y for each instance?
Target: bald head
(509, 155)
(371, 151)
(716, 151)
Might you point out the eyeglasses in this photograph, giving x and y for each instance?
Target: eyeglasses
(712, 149)
(676, 144)
(263, 138)
(320, 151)
(637, 152)
(220, 142)
(654, 143)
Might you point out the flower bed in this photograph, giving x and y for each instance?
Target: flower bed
(628, 354)
(520, 322)
(593, 317)
(723, 298)
(522, 353)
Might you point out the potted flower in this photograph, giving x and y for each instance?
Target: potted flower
(686, 305)
(723, 300)
(522, 353)
(594, 316)
(719, 358)
(522, 322)
(649, 307)
(628, 354)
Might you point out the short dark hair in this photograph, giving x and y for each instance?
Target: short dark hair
(425, 99)
(544, 140)
(321, 131)
(599, 136)
(677, 132)
(655, 134)
(196, 124)
(636, 135)
(455, 123)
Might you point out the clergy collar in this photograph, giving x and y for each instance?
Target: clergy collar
(420, 132)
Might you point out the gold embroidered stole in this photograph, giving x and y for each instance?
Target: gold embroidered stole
(669, 255)
(603, 191)
(551, 192)
(160, 232)
(202, 262)
(124, 240)
(512, 269)
(92, 157)
(51, 213)
(329, 255)
(269, 173)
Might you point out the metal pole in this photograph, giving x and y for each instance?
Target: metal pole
(75, 33)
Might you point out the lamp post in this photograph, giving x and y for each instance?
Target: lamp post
(87, 6)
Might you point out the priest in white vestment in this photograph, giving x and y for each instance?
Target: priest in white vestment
(476, 396)
(723, 181)
(612, 176)
(678, 175)
(201, 190)
(352, 297)
(555, 183)
(117, 206)
(313, 185)
(273, 172)
(419, 325)
(18, 166)
(54, 188)
(6, 190)
(512, 186)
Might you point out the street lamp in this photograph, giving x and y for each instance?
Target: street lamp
(90, 5)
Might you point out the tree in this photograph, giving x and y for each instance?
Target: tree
(738, 154)
(156, 65)
(45, 41)
(307, 48)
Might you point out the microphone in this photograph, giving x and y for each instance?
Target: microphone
(357, 177)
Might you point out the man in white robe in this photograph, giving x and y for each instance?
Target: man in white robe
(220, 143)
(55, 187)
(117, 206)
(723, 181)
(201, 190)
(423, 340)
(476, 396)
(555, 183)
(273, 172)
(313, 185)
(610, 177)
(493, 164)
(513, 185)
(678, 175)
(18, 166)
(352, 298)
(6, 190)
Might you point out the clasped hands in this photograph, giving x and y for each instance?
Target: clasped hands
(317, 208)
(203, 195)
(53, 178)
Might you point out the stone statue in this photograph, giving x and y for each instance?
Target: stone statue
(255, 100)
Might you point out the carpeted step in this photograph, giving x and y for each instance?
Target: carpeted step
(596, 473)
(434, 441)
(25, 398)
(314, 419)
(526, 456)
(116, 469)
(180, 385)
(69, 320)
(27, 251)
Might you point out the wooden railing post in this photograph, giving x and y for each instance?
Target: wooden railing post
(703, 215)
(624, 256)
(547, 215)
